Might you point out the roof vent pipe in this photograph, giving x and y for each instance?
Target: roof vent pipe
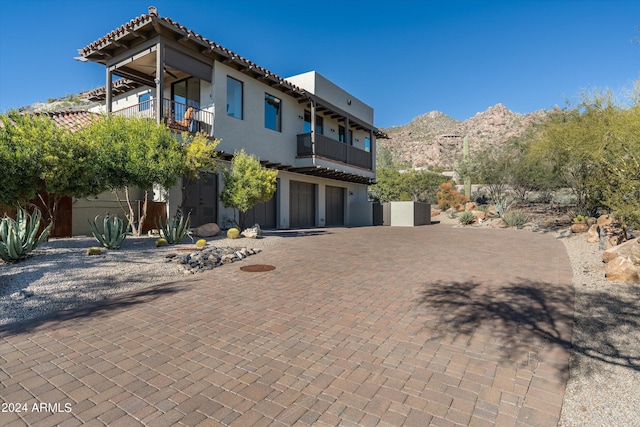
(153, 11)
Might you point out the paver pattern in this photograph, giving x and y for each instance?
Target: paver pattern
(373, 326)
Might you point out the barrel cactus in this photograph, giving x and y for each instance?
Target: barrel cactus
(233, 233)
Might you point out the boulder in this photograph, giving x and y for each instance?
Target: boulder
(469, 206)
(621, 269)
(478, 214)
(579, 227)
(604, 220)
(593, 235)
(629, 249)
(252, 232)
(207, 230)
(611, 235)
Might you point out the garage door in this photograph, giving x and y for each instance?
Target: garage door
(334, 205)
(302, 204)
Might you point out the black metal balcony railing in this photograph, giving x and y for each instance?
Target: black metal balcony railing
(334, 150)
(177, 116)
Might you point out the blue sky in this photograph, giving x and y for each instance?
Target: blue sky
(402, 57)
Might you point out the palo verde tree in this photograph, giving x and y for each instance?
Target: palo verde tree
(595, 148)
(246, 183)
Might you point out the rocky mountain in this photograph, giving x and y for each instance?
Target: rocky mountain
(435, 140)
(70, 102)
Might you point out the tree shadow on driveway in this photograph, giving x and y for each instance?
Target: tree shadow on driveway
(524, 319)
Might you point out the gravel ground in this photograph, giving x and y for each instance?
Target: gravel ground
(604, 384)
(604, 369)
(59, 275)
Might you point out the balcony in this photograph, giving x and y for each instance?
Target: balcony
(334, 150)
(176, 116)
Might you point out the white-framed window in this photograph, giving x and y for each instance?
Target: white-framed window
(272, 112)
(234, 98)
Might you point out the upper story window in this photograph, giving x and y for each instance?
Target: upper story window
(234, 98)
(307, 123)
(341, 133)
(272, 112)
(144, 101)
(367, 144)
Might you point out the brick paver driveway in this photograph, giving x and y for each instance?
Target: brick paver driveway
(420, 326)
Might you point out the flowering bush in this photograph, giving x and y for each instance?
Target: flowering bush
(449, 197)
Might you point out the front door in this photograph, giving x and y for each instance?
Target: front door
(202, 200)
(302, 204)
(334, 205)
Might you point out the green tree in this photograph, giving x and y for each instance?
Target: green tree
(50, 162)
(411, 185)
(19, 157)
(135, 153)
(247, 183)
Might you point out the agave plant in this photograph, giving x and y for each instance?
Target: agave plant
(19, 237)
(113, 231)
(466, 218)
(175, 229)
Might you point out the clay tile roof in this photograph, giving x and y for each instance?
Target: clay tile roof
(145, 19)
(72, 120)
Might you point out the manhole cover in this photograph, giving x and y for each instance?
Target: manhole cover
(257, 268)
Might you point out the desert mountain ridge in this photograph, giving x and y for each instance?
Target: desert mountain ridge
(435, 140)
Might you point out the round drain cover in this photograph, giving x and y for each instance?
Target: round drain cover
(257, 268)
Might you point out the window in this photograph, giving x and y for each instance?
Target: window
(341, 133)
(307, 123)
(367, 144)
(185, 93)
(144, 101)
(234, 98)
(272, 113)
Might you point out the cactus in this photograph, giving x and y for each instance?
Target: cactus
(18, 237)
(176, 229)
(113, 231)
(201, 243)
(233, 233)
(94, 251)
(161, 242)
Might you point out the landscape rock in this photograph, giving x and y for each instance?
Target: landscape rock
(628, 249)
(207, 230)
(612, 234)
(479, 215)
(621, 269)
(604, 220)
(208, 258)
(252, 232)
(593, 235)
(579, 227)
(469, 206)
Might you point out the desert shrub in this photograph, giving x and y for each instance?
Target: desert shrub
(515, 217)
(466, 218)
(448, 196)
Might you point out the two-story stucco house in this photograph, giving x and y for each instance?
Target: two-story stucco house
(320, 138)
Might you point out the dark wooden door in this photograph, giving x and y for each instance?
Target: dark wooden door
(302, 204)
(202, 200)
(334, 205)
